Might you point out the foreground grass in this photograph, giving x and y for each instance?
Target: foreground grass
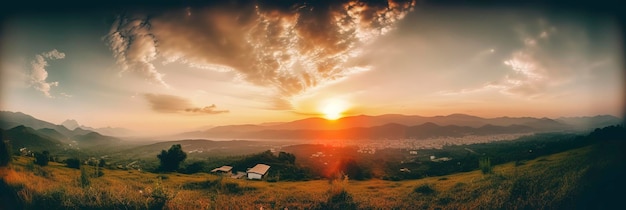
(554, 181)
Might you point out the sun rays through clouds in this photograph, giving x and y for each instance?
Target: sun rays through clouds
(288, 48)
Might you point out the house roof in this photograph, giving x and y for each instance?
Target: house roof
(259, 169)
(223, 169)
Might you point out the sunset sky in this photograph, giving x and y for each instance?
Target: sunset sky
(170, 69)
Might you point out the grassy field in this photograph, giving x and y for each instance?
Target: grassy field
(554, 181)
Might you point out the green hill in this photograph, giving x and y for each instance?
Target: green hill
(22, 136)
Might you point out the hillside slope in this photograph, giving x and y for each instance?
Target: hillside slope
(584, 178)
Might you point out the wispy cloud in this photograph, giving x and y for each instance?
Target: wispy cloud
(287, 47)
(531, 65)
(206, 110)
(66, 95)
(174, 104)
(39, 74)
(135, 53)
(546, 58)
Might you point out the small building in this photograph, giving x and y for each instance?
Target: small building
(258, 171)
(405, 170)
(223, 169)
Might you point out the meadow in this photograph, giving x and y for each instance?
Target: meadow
(554, 181)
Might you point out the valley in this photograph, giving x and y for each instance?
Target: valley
(447, 171)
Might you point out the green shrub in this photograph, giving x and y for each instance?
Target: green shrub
(195, 167)
(445, 200)
(485, 165)
(84, 178)
(424, 189)
(158, 197)
(73, 163)
(99, 173)
(102, 163)
(37, 170)
(42, 158)
(5, 152)
(339, 200)
(218, 185)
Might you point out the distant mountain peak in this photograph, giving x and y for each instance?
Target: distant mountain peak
(20, 127)
(429, 124)
(70, 124)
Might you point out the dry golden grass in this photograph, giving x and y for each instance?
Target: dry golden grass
(135, 189)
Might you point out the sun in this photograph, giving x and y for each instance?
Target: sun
(333, 109)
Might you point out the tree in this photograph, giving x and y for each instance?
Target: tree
(195, 167)
(287, 157)
(102, 163)
(42, 158)
(73, 163)
(5, 152)
(171, 159)
(351, 168)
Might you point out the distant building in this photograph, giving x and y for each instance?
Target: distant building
(405, 170)
(223, 169)
(25, 152)
(258, 171)
(443, 159)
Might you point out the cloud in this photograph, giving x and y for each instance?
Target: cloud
(287, 47)
(207, 110)
(174, 104)
(66, 95)
(546, 59)
(135, 52)
(38, 73)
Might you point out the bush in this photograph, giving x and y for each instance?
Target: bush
(158, 197)
(5, 152)
(84, 178)
(102, 163)
(73, 163)
(42, 158)
(424, 189)
(195, 167)
(445, 200)
(217, 185)
(339, 200)
(485, 165)
(38, 170)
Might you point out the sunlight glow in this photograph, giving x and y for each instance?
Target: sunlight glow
(333, 109)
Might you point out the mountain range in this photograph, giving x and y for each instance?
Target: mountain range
(27, 131)
(110, 131)
(401, 126)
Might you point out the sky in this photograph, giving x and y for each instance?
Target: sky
(167, 69)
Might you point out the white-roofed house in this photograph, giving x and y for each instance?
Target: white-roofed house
(258, 171)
